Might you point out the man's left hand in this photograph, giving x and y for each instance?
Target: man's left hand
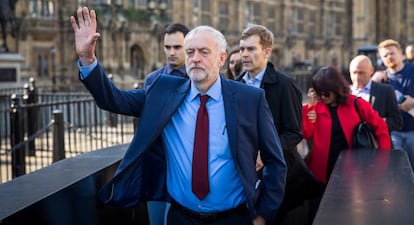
(259, 162)
(259, 221)
(407, 104)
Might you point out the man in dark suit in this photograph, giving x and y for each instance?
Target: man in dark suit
(285, 102)
(174, 53)
(381, 96)
(239, 124)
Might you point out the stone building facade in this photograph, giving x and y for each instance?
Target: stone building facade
(317, 32)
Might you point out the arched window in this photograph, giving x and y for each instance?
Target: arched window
(42, 65)
(137, 62)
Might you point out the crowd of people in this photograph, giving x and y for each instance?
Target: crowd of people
(242, 128)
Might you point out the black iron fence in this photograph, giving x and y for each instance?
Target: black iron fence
(302, 79)
(38, 128)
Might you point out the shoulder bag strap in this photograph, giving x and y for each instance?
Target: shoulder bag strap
(357, 108)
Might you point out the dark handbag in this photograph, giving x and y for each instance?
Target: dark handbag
(363, 136)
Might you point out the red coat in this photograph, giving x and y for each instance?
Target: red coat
(320, 131)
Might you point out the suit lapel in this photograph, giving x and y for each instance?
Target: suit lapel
(173, 101)
(230, 108)
(372, 93)
(169, 106)
(161, 113)
(158, 113)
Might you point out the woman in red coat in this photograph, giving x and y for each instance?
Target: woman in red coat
(331, 119)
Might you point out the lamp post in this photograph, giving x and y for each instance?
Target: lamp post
(53, 53)
(157, 9)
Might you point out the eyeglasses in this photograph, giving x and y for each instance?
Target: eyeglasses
(325, 94)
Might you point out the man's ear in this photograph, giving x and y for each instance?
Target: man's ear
(222, 58)
(268, 52)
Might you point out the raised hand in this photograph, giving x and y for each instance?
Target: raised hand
(312, 97)
(85, 35)
(379, 76)
(311, 116)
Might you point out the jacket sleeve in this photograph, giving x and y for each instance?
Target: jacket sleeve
(371, 117)
(290, 130)
(275, 169)
(108, 97)
(393, 115)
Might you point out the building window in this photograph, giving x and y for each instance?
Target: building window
(335, 27)
(338, 24)
(95, 2)
(331, 25)
(292, 25)
(42, 66)
(271, 23)
(257, 13)
(142, 3)
(223, 16)
(205, 5)
(299, 21)
(201, 12)
(311, 24)
(247, 12)
(253, 13)
(81, 2)
(137, 62)
(42, 8)
(205, 12)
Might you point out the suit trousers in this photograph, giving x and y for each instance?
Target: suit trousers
(157, 212)
(177, 215)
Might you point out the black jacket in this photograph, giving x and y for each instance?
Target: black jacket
(285, 103)
(383, 100)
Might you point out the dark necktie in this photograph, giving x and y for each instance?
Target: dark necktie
(199, 180)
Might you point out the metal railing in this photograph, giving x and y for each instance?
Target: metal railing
(39, 129)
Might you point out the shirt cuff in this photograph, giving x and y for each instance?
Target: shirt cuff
(86, 70)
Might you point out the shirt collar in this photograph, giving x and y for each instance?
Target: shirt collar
(258, 77)
(170, 68)
(365, 89)
(213, 92)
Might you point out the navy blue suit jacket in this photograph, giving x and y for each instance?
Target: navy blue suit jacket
(141, 174)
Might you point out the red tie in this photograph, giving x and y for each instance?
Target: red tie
(199, 183)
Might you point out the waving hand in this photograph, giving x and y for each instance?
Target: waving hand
(85, 35)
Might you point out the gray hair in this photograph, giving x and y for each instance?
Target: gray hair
(219, 38)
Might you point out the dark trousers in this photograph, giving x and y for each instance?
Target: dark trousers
(306, 214)
(178, 216)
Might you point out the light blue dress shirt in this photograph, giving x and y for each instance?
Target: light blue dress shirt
(256, 80)
(226, 190)
(86, 70)
(364, 92)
